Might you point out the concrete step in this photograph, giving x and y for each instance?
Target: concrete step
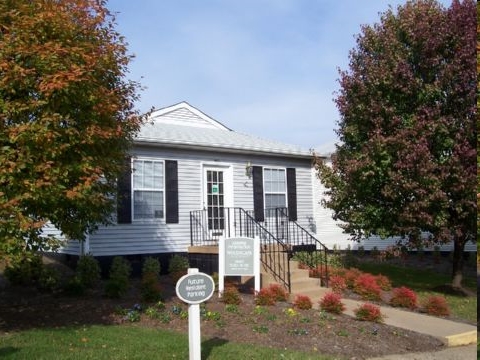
(315, 294)
(298, 274)
(304, 283)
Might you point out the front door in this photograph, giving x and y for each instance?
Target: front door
(216, 199)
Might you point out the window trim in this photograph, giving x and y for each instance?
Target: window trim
(133, 189)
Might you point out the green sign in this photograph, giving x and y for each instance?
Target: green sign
(214, 188)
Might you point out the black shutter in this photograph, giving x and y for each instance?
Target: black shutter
(124, 195)
(171, 191)
(292, 194)
(257, 174)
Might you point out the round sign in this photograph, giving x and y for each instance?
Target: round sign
(195, 288)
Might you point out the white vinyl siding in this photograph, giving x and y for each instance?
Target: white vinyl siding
(151, 237)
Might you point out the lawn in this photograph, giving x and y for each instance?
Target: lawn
(127, 342)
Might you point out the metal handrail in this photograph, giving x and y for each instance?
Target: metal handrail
(280, 238)
(299, 239)
(239, 222)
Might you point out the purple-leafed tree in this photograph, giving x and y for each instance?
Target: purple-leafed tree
(406, 159)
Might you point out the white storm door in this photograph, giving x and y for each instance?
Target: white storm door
(217, 197)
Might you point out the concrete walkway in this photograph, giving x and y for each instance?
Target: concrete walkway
(460, 338)
(468, 352)
(452, 333)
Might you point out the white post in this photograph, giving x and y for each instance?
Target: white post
(221, 267)
(256, 263)
(194, 334)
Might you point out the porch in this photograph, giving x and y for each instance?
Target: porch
(280, 238)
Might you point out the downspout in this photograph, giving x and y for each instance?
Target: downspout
(85, 247)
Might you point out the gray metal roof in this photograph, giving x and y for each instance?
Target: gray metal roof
(183, 126)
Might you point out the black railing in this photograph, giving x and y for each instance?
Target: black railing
(237, 222)
(298, 239)
(280, 238)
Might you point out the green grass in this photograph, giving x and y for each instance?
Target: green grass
(423, 282)
(128, 342)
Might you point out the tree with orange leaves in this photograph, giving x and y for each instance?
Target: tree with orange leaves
(67, 119)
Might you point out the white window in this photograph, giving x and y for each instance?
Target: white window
(148, 189)
(275, 189)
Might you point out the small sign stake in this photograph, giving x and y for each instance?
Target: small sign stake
(194, 288)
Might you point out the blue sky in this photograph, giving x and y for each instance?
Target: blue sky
(263, 67)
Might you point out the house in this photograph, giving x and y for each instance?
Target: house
(194, 181)
(332, 235)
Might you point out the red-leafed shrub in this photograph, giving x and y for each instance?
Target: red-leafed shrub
(331, 302)
(384, 282)
(436, 305)
(278, 292)
(366, 286)
(265, 297)
(231, 296)
(368, 312)
(340, 271)
(302, 302)
(315, 272)
(404, 297)
(351, 275)
(337, 283)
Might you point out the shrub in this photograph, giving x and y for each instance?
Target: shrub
(302, 302)
(366, 286)
(375, 253)
(49, 279)
(120, 268)
(383, 282)
(177, 266)
(436, 305)
(74, 287)
(231, 296)
(150, 287)
(404, 297)
(25, 271)
(350, 276)
(118, 283)
(151, 265)
(88, 270)
(309, 260)
(331, 302)
(278, 292)
(265, 297)
(338, 284)
(368, 312)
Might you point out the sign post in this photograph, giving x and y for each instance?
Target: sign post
(239, 257)
(194, 288)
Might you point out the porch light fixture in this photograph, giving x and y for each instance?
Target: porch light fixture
(248, 169)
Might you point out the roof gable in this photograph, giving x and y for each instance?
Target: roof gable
(185, 114)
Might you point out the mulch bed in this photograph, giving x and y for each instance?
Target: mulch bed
(270, 326)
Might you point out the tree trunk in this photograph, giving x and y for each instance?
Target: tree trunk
(457, 269)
